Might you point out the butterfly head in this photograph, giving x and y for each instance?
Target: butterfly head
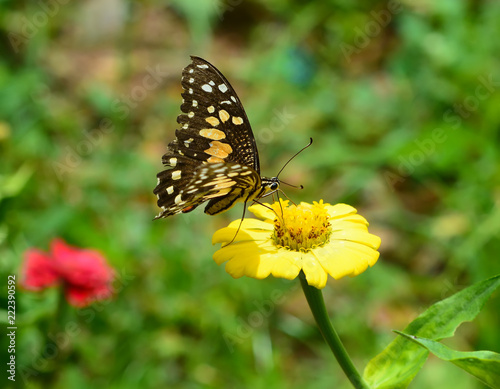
(270, 185)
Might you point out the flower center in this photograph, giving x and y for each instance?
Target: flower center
(302, 226)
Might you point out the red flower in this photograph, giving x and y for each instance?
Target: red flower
(85, 275)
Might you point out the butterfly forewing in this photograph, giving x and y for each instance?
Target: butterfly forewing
(214, 122)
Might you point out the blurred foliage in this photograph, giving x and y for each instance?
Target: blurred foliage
(401, 98)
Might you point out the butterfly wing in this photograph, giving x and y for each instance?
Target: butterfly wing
(214, 130)
(214, 118)
(222, 183)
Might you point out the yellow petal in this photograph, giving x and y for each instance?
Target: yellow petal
(342, 224)
(228, 233)
(237, 249)
(354, 218)
(287, 264)
(315, 274)
(354, 235)
(344, 258)
(247, 265)
(261, 212)
(258, 261)
(252, 224)
(340, 210)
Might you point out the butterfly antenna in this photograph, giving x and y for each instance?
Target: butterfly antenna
(293, 186)
(297, 153)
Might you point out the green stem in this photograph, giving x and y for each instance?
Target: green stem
(317, 304)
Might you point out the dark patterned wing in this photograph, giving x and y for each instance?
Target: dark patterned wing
(221, 183)
(213, 114)
(214, 132)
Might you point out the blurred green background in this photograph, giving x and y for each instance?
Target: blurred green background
(402, 99)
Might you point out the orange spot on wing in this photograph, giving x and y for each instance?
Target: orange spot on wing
(224, 116)
(219, 149)
(212, 120)
(214, 160)
(188, 209)
(212, 133)
(237, 120)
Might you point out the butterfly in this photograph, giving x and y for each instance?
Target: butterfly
(214, 157)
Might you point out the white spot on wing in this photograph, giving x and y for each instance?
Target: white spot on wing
(190, 114)
(206, 88)
(233, 98)
(170, 190)
(223, 88)
(211, 109)
(212, 83)
(178, 199)
(195, 103)
(172, 162)
(176, 175)
(203, 66)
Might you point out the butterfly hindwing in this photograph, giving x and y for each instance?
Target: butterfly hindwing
(171, 183)
(221, 183)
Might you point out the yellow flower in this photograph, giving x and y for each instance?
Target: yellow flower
(318, 238)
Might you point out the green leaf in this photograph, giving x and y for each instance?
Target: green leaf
(3, 316)
(484, 365)
(13, 184)
(401, 360)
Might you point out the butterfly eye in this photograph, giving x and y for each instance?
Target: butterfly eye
(274, 186)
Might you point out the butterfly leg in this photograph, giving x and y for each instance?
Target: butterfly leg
(241, 222)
